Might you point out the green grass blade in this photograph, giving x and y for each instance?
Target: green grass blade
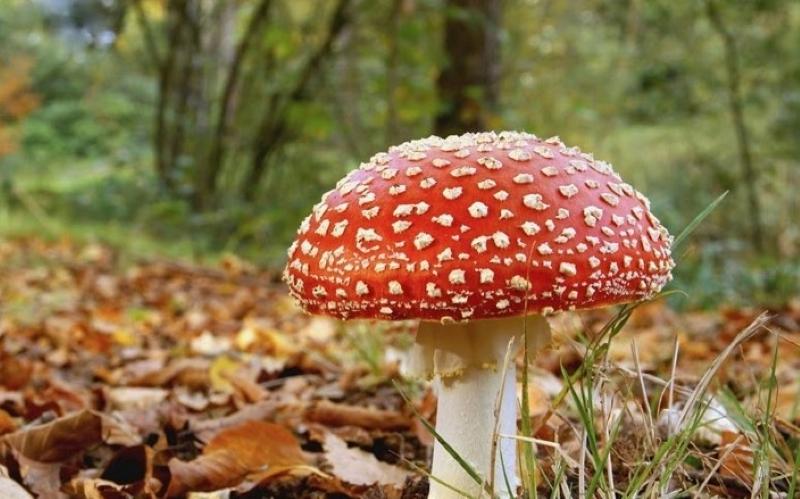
(525, 427)
(765, 439)
(603, 458)
(505, 476)
(697, 221)
(425, 472)
(581, 397)
(554, 490)
(795, 472)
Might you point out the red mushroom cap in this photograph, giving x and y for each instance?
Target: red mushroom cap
(477, 226)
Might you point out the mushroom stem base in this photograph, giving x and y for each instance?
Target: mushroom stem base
(477, 399)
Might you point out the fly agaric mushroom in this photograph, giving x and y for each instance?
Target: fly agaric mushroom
(469, 234)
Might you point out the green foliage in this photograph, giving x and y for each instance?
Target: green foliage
(92, 105)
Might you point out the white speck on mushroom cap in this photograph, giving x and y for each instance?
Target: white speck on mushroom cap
(519, 155)
(479, 244)
(445, 220)
(530, 228)
(523, 178)
(567, 268)
(486, 276)
(507, 209)
(456, 276)
(500, 195)
(568, 190)
(501, 240)
(549, 171)
(451, 193)
(519, 283)
(400, 225)
(534, 201)
(445, 255)
(490, 162)
(422, 240)
(463, 171)
(478, 210)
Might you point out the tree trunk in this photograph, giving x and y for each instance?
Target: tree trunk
(274, 126)
(468, 84)
(207, 178)
(749, 172)
(391, 71)
(165, 86)
(186, 90)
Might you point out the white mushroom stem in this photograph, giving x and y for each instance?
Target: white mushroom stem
(477, 398)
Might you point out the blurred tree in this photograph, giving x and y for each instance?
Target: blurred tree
(207, 179)
(201, 99)
(274, 127)
(750, 177)
(17, 100)
(392, 53)
(469, 82)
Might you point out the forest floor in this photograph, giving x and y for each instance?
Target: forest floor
(158, 378)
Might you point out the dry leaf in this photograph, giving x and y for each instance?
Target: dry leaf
(736, 457)
(357, 467)
(7, 424)
(244, 384)
(219, 371)
(331, 414)
(9, 489)
(15, 373)
(67, 436)
(233, 454)
(41, 451)
(320, 329)
(43, 479)
(135, 398)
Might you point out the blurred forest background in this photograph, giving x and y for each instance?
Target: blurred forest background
(195, 127)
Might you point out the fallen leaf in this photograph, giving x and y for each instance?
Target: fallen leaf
(210, 345)
(9, 489)
(15, 373)
(332, 414)
(320, 329)
(310, 476)
(787, 404)
(42, 451)
(195, 401)
(191, 372)
(736, 457)
(260, 336)
(43, 479)
(233, 454)
(246, 386)
(357, 467)
(135, 398)
(7, 424)
(67, 436)
(219, 371)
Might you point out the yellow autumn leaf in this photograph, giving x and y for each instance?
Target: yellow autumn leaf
(220, 368)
